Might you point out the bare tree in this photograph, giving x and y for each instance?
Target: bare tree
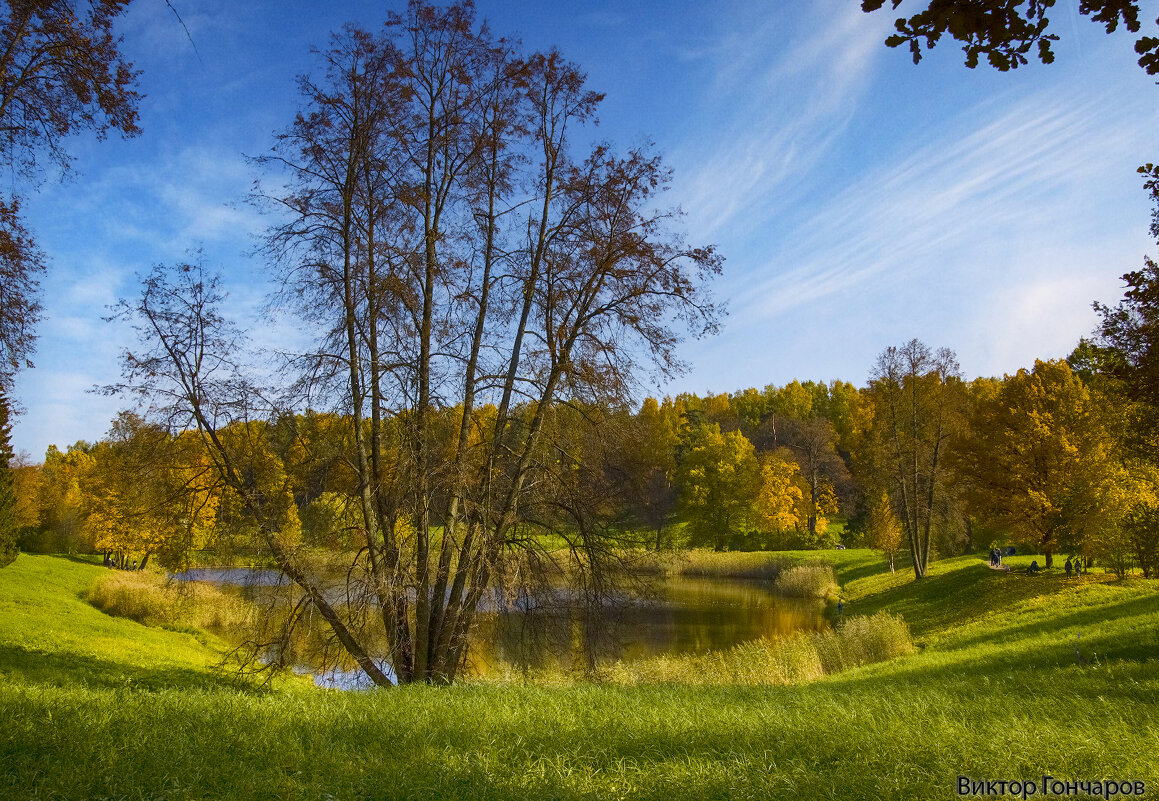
(914, 406)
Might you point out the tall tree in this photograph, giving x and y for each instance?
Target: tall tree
(778, 505)
(720, 480)
(911, 409)
(814, 444)
(1126, 348)
(61, 509)
(883, 530)
(149, 494)
(453, 254)
(1038, 457)
(650, 459)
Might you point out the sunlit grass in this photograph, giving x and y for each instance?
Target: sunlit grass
(157, 600)
(995, 690)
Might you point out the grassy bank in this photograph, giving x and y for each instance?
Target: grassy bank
(96, 707)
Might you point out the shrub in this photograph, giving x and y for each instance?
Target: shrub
(807, 581)
(155, 600)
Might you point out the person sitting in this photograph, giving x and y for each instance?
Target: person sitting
(1033, 569)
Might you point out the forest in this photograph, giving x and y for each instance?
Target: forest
(920, 464)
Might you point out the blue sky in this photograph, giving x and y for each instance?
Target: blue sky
(859, 200)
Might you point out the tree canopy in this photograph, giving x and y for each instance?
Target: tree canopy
(1006, 33)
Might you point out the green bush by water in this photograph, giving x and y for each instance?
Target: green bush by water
(807, 581)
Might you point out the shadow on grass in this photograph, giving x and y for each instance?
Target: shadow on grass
(80, 559)
(865, 569)
(23, 666)
(944, 600)
(1090, 619)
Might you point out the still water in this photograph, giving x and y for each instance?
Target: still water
(681, 615)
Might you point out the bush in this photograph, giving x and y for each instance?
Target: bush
(154, 600)
(807, 581)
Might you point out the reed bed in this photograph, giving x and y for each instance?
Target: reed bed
(807, 581)
(154, 599)
(793, 660)
(757, 565)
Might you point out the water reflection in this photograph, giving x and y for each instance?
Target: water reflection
(235, 576)
(688, 615)
(337, 678)
(684, 615)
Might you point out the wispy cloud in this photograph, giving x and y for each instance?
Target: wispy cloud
(1014, 171)
(780, 99)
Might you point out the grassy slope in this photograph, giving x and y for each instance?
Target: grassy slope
(996, 692)
(49, 635)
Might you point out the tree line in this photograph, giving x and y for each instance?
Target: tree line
(919, 462)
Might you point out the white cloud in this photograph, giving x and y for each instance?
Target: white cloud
(1018, 172)
(779, 103)
(991, 234)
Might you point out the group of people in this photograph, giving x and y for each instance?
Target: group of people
(111, 561)
(1074, 565)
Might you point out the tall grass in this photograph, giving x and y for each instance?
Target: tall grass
(807, 581)
(725, 564)
(94, 707)
(862, 640)
(156, 600)
(802, 658)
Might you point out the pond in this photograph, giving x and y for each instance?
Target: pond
(681, 615)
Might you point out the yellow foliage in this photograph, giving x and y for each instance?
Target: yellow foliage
(148, 493)
(780, 496)
(884, 531)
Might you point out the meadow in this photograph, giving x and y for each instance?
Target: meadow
(1010, 677)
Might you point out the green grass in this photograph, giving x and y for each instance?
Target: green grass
(994, 691)
(50, 635)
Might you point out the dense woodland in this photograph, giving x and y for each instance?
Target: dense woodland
(917, 464)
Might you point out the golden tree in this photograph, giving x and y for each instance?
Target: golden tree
(1038, 457)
